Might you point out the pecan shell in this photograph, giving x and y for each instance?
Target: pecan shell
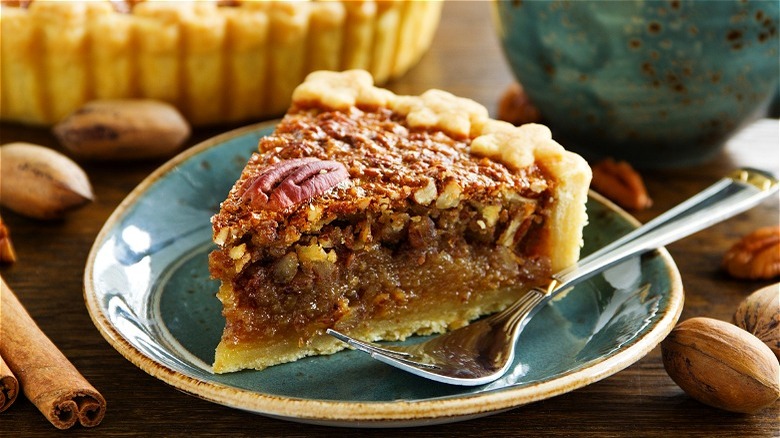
(759, 314)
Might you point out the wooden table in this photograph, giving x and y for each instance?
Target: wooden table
(466, 60)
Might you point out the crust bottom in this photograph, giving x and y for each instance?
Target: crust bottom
(426, 321)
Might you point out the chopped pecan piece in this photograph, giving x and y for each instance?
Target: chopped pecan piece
(618, 181)
(756, 256)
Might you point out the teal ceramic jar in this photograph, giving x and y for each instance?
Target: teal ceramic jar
(659, 83)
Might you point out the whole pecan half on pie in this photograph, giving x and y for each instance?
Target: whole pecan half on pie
(292, 182)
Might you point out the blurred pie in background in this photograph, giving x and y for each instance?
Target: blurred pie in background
(216, 61)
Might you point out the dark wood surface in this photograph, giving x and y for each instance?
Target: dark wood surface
(466, 60)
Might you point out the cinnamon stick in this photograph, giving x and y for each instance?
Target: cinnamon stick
(9, 386)
(47, 377)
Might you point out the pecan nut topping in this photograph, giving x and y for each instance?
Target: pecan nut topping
(756, 256)
(515, 107)
(619, 182)
(292, 182)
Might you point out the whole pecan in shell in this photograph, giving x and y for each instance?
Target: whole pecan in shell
(292, 182)
(759, 313)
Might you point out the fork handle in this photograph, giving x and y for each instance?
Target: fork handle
(728, 197)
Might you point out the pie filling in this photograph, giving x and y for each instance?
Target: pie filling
(366, 268)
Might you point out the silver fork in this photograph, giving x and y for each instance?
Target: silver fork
(483, 351)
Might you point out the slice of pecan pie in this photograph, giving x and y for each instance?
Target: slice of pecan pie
(385, 216)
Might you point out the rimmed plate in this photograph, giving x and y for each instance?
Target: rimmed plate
(148, 291)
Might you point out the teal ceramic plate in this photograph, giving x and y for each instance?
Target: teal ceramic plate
(148, 290)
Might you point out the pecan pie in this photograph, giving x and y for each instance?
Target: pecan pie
(215, 60)
(385, 216)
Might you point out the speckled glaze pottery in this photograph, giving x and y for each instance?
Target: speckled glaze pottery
(659, 83)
